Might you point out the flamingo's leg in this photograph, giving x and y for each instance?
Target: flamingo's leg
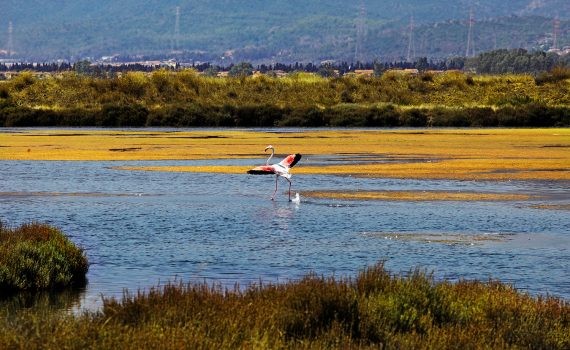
(276, 178)
(289, 189)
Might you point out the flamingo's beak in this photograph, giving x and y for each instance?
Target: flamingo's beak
(268, 147)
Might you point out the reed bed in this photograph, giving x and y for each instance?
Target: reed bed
(373, 310)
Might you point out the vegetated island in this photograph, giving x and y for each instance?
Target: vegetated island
(188, 99)
(38, 257)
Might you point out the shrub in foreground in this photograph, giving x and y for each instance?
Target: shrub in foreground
(374, 310)
(37, 257)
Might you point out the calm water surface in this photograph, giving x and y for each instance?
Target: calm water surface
(141, 228)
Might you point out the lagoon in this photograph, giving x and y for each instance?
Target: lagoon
(142, 228)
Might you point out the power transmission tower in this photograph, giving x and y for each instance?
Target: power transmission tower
(176, 38)
(555, 33)
(470, 46)
(360, 33)
(10, 47)
(411, 45)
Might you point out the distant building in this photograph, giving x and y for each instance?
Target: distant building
(409, 71)
(280, 73)
(561, 52)
(364, 72)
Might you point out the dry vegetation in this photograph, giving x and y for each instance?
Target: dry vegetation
(375, 310)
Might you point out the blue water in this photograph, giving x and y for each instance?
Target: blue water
(141, 228)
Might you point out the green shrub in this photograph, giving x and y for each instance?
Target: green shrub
(480, 116)
(346, 115)
(446, 117)
(23, 80)
(313, 306)
(557, 74)
(383, 116)
(414, 117)
(4, 92)
(303, 117)
(257, 115)
(39, 257)
(121, 115)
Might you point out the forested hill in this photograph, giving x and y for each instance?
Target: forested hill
(261, 30)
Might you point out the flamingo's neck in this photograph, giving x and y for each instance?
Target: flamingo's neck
(270, 156)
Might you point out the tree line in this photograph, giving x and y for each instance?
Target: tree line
(516, 61)
(493, 62)
(38, 67)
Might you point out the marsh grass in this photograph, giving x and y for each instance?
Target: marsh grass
(373, 310)
(35, 257)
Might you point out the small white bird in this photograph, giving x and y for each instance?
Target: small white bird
(297, 198)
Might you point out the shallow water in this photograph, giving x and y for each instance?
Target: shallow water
(143, 228)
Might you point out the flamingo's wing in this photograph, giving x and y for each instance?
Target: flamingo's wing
(262, 170)
(290, 160)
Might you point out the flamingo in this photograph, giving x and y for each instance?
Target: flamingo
(279, 169)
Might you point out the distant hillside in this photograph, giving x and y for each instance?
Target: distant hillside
(257, 30)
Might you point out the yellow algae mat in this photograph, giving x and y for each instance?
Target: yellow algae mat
(416, 196)
(473, 154)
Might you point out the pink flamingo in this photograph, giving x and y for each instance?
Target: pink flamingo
(279, 169)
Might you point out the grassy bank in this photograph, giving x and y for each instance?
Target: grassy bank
(36, 257)
(185, 98)
(375, 309)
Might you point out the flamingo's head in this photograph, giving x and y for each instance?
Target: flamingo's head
(269, 147)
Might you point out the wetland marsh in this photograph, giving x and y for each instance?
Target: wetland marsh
(156, 205)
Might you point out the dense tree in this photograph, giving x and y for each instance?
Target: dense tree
(240, 70)
(513, 61)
